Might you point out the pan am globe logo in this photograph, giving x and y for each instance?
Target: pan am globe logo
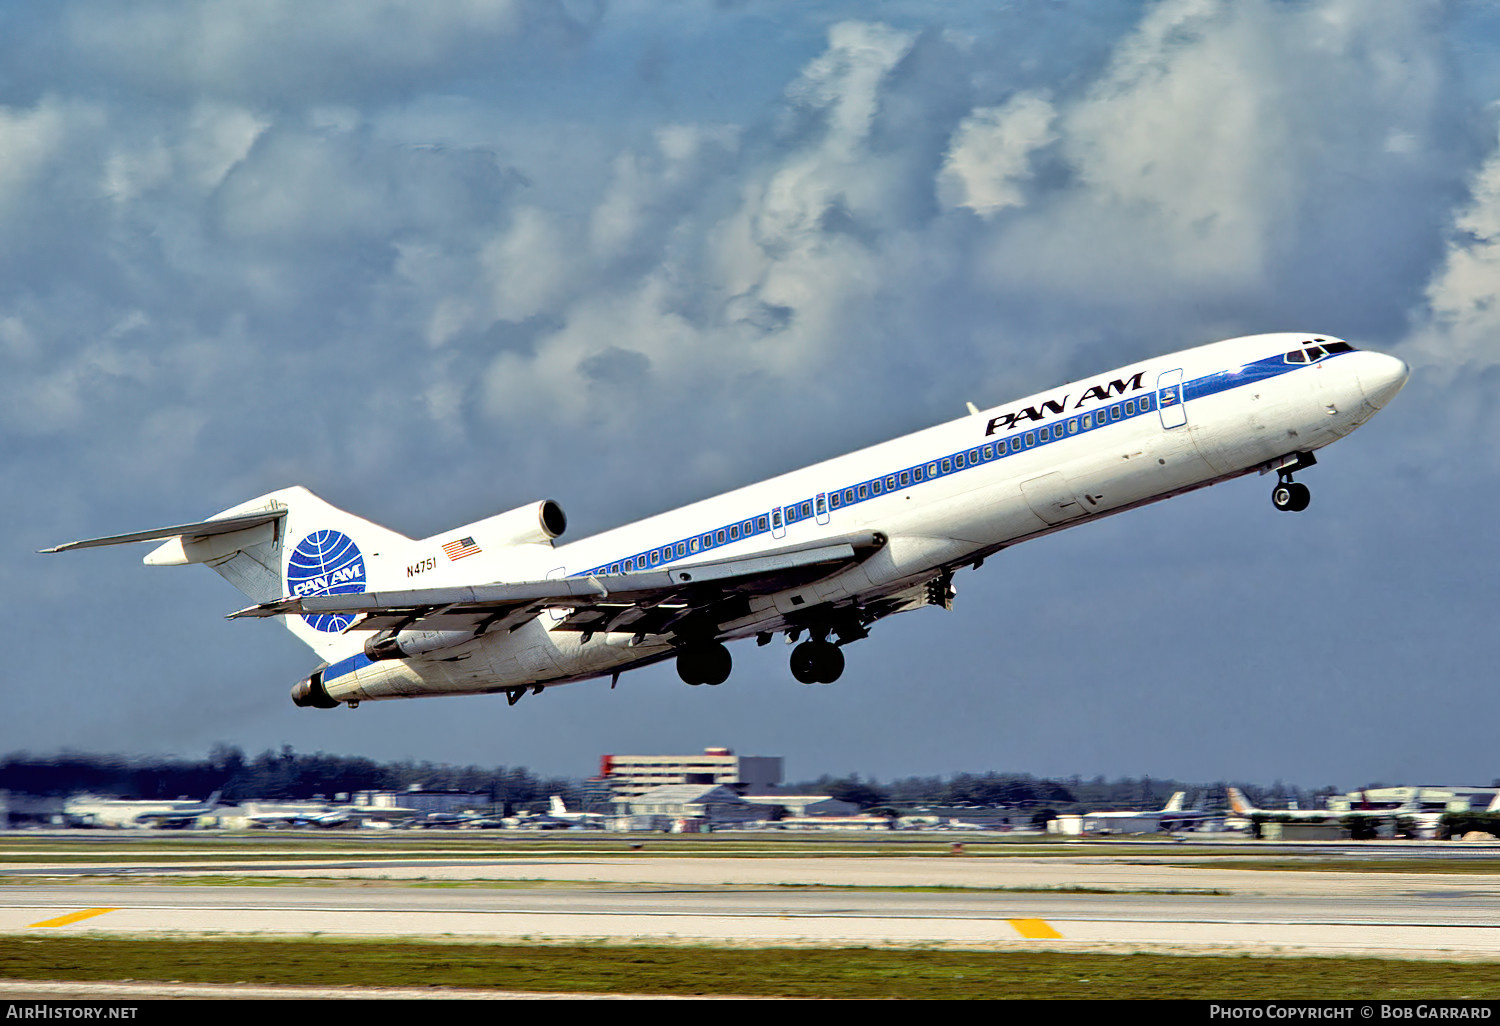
(326, 563)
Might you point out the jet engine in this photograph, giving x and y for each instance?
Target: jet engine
(535, 524)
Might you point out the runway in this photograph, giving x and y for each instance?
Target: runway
(1089, 902)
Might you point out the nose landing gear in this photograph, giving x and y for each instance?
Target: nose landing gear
(1289, 496)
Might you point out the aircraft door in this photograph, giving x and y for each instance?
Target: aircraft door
(778, 525)
(1169, 399)
(820, 507)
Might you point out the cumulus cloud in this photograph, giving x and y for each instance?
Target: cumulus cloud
(1462, 323)
(991, 155)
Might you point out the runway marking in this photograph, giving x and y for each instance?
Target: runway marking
(73, 917)
(1037, 929)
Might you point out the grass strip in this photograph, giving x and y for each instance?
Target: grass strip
(783, 972)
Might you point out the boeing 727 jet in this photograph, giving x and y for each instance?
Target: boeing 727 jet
(818, 554)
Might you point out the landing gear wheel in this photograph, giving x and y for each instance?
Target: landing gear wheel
(704, 664)
(1290, 497)
(817, 662)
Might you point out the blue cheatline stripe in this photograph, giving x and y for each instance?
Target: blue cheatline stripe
(346, 666)
(948, 465)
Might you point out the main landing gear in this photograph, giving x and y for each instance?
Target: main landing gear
(706, 663)
(817, 662)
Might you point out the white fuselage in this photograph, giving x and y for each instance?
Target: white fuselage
(943, 498)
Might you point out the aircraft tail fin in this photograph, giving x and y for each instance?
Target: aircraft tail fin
(284, 543)
(1175, 805)
(557, 807)
(1238, 803)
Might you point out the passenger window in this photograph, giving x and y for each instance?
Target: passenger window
(1145, 403)
(864, 491)
(1114, 413)
(1129, 407)
(958, 461)
(614, 568)
(948, 466)
(1030, 439)
(760, 524)
(807, 509)
(916, 474)
(719, 538)
(875, 487)
(681, 549)
(890, 483)
(655, 556)
(1073, 426)
(973, 456)
(932, 470)
(834, 499)
(734, 533)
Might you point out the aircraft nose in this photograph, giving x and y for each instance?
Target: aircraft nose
(1381, 377)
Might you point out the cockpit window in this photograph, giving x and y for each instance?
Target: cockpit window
(1296, 356)
(1338, 347)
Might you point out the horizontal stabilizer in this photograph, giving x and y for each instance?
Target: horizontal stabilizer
(187, 532)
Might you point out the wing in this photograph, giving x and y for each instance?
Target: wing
(656, 602)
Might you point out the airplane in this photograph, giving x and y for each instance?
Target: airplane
(1171, 816)
(500, 606)
(181, 815)
(557, 809)
(1242, 807)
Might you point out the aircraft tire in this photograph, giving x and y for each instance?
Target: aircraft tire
(830, 663)
(805, 663)
(1301, 496)
(704, 664)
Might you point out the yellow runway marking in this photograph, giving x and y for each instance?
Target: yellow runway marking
(73, 917)
(1035, 928)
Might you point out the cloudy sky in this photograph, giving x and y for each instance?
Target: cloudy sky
(434, 261)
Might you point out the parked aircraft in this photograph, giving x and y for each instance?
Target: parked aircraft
(1171, 816)
(181, 815)
(1241, 806)
(821, 553)
(557, 810)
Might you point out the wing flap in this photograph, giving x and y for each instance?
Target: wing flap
(635, 602)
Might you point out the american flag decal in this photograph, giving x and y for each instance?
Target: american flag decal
(461, 548)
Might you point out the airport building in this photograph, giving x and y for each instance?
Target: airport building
(691, 808)
(629, 776)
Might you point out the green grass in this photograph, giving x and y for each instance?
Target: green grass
(783, 972)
